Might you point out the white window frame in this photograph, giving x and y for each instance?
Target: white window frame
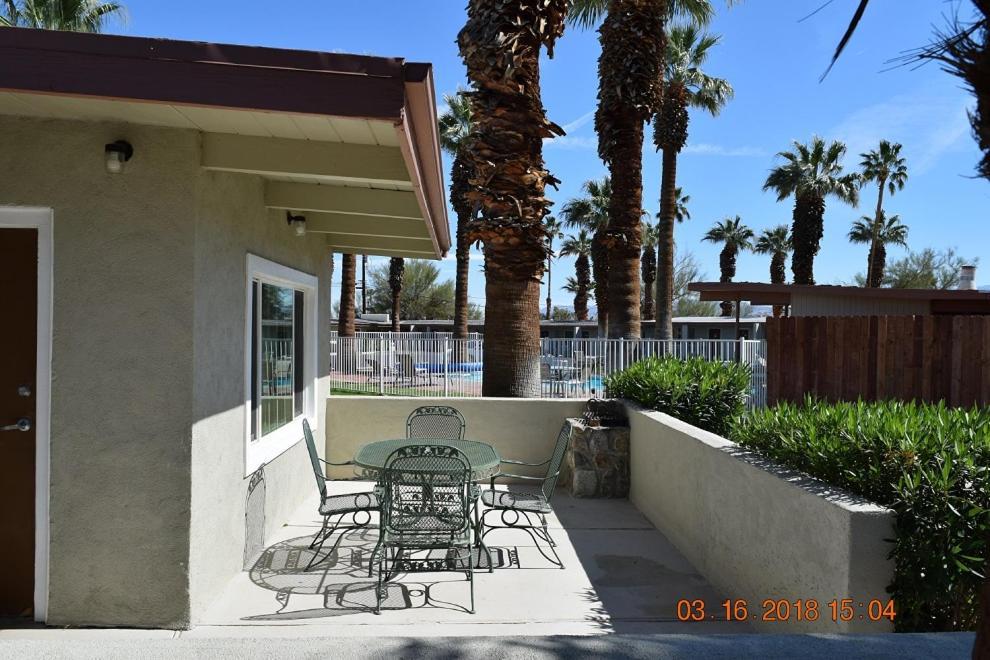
(267, 448)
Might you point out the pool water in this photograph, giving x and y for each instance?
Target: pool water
(594, 383)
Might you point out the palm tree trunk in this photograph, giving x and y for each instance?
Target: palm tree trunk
(878, 265)
(459, 185)
(345, 324)
(807, 235)
(871, 279)
(581, 269)
(599, 273)
(649, 263)
(727, 266)
(625, 211)
(665, 246)
(512, 328)
(778, 275)
(508, 179)
(548, 289)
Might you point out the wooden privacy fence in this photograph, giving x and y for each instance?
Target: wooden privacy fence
(880, 357)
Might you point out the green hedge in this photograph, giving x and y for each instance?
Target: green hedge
(927, 462)
(700, 392)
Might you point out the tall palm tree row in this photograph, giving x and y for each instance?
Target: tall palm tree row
(776, 242)
(70, 15)
(396, 266)
(878, 235)
(579, 246)
(500, 45)
(629, 91)
(455, 127)
(885, 166)
(686, 86)
(812, 172)
(591, 213)
(734, 236)
(554, 233)
(648, 263)
(345, 314)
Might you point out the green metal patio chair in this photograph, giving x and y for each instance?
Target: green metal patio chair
(516, 506)
(440, 422)
(426, 508)
(336, 506)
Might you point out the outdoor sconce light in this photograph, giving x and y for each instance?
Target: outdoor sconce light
(118, 153)
(297, 222)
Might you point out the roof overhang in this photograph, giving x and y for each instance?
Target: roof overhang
(348, 141)
(943, 301)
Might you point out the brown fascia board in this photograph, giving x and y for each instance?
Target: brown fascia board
(421, 117)
(202, 74)
(764, 293)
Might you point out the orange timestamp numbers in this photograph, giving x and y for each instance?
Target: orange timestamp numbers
(782, 609)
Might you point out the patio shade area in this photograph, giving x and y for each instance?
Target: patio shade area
(347, 141)
(621, 576)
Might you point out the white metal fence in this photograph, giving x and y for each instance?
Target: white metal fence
(396, 364)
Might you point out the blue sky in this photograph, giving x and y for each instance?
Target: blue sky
(772, 60)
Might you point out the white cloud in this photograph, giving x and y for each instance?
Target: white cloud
(474, 256)
(705, 149)
(929, 125)
(579, 122)
(572, 142)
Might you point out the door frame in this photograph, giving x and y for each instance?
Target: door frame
(13, 217)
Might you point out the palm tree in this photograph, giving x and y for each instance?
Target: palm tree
(629, 91)
(70, 15)
(878, 235)
(777, 243)
(581, 293)
(579, 246)
(651, 237)
(735, 236)
(554, 233)
(686, 86)
(888, 169)
(396, 266)
(455, 127)
(812, 172)
(591, 213)
(500, 45)
(348, 273)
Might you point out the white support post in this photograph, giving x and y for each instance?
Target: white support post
(446, 367)
(381, 367)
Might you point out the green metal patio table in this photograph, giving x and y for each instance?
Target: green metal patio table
(485, 461)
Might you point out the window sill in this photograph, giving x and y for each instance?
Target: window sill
(269, 447)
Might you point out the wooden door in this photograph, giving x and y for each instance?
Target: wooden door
(18, 339)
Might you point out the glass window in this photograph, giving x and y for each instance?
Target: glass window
(277, 387)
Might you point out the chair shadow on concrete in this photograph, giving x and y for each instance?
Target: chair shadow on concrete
(340, 579)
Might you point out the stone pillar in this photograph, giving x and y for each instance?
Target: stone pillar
(597, 461)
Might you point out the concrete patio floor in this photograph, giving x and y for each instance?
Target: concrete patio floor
(621, 576)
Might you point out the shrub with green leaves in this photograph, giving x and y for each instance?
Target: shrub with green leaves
(700, 392)
(927, 462)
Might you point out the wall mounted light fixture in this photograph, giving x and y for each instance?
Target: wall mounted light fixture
(297, 222)
(118, 153)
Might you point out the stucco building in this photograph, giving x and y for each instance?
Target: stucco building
(167, 213)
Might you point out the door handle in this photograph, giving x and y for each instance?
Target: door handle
(23, 424)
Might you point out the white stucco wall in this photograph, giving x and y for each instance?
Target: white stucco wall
(149, 502)
(757, 531)
(231, 222)
(121, 361)
(520, 429)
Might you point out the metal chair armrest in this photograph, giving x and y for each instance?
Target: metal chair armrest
(512, 462)
(517, 476)
(345, 463)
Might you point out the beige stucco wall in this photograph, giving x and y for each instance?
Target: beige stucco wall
(520, 429)
(231, 222)
(149, 502)
(754, 530)
(121, 362)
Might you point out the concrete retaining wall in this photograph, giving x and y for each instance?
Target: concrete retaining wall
(757, 531)
(521, 429)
